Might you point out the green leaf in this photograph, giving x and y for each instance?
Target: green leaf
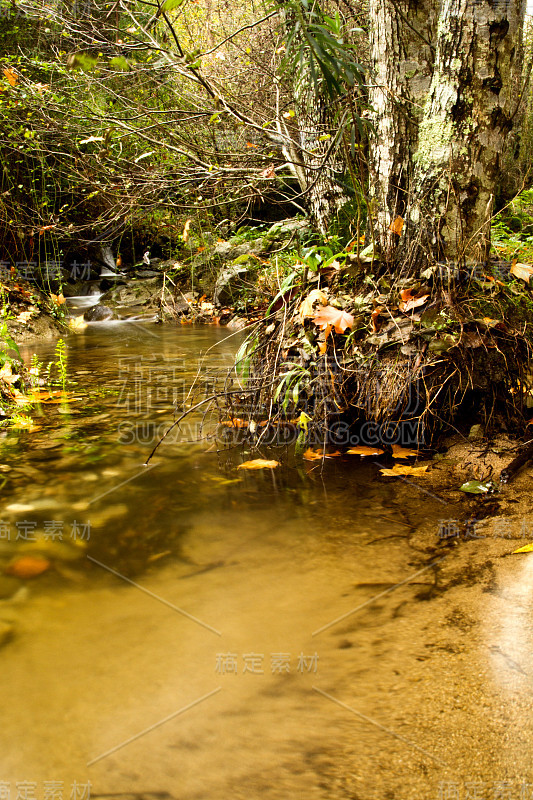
(476, 487)
(170, 5)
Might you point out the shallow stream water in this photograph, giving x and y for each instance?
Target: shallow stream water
(205, 632)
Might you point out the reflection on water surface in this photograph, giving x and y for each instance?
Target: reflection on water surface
(208, 633)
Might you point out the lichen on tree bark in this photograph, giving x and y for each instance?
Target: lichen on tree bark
(437, 158)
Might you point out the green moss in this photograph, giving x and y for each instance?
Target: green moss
(435, 136)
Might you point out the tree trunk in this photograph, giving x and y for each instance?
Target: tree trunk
(323, 167)
(402, 52)
(436, 161)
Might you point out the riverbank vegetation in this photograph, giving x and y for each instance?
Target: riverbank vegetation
(349, 181)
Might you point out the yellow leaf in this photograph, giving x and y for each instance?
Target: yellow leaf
(363, 450)
(396, 226)
(11, 76)
(259, 463)
(402, 452)
(398, 469)
(523, 271)
(24, 316)
(306, 307)
(527, 548)
(186, 230)
(318, 455)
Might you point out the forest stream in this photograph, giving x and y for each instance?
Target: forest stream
(203, 632)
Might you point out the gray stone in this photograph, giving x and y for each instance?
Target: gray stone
(99, 313)
(476, 432)
(147, 273)
(136, 293)
(230, 282)
(237, 324)
(227, 251)
(287, 227)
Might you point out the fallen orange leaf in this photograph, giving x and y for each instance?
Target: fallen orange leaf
(318, 455)
(374, 318)
(235, 423)
(328, 315)
(402, 452)
(398, 469)
(364, 450)
(28, 567)
(409, 302)
(259, 463)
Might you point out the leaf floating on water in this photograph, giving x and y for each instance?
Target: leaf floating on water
(28, 567)
(523, 271)
(364, 450)
(236, 422)
(527, 548)
(328, 315)
(318, 455)
(259, 463)
(476, 487)
(402, 452)
(398, 469)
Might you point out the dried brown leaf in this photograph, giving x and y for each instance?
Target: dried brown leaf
(523, 271)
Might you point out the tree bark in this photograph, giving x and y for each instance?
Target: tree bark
(323, 167)
(443, 96)
(467, 117)
(402, 53)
